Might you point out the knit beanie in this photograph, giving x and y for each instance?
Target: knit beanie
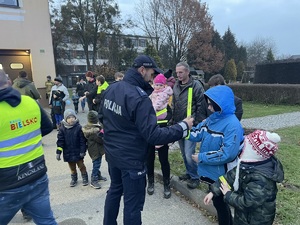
(160, 79)
(58, 79)
(258, 146)
(92, 117)
(68, 113)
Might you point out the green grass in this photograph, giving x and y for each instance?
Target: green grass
(252, 110)
(288, 197)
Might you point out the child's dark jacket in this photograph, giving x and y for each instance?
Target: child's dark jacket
(94, 140)
(72, 142)
(255, 200)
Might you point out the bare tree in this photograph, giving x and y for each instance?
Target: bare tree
(85, 20)
(173, 23)
(150, 22)
(258, 49)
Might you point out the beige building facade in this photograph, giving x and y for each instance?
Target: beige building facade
(26, 41)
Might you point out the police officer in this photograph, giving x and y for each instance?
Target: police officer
(130, 124)
(23, 178)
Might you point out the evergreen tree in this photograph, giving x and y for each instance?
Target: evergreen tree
(230, 46)
(217, 41)
(127, 55)
(230, 72)
(151, 51)
(270, 56)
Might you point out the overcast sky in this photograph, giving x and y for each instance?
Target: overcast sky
(278, 20)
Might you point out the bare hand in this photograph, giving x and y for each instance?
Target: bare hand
(208, 198)
(189, 120)
(195, 157)
(224, 188)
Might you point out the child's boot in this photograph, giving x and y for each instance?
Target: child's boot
(167, 189)
(150, 188)
(95, 183)
(85, 179)
(74, 179)
(100, 177)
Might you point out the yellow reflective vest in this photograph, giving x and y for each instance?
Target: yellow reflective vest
(102, 87)
(20, 139)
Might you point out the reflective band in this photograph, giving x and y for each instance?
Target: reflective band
(23, 138)
(161, 112)
(189, 105)
(20, 151)
(162, 121)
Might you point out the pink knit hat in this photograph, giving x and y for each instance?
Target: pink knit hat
(160, 79)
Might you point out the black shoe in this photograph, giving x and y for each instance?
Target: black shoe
(150, 188)
(73, 180)
(26, 216)
(184, 177)
(102, 178)
(193, 183)
(167, 189)
(85, 179)
(95, 183)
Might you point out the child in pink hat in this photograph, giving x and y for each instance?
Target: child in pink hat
(160, 96)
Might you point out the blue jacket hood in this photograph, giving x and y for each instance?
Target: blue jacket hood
(223, 96)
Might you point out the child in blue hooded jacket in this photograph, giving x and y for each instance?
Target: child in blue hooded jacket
(221, 137)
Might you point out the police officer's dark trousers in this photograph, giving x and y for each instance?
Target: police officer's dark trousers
(132, 183)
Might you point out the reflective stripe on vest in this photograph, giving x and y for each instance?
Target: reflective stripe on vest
(20, 139)
(103, 87)
(189, 105)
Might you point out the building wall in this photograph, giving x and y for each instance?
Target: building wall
(28, 28)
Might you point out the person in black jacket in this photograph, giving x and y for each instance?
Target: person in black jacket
(72, 144)
(188, 99)
(88, 89)
(130, 125)
(80, 86)
(218, 79)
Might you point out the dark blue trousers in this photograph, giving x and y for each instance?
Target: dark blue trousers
(131, 184)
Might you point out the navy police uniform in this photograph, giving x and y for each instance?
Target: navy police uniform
(130, 124)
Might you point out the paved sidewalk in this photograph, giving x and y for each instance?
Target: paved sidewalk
(273, 122)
